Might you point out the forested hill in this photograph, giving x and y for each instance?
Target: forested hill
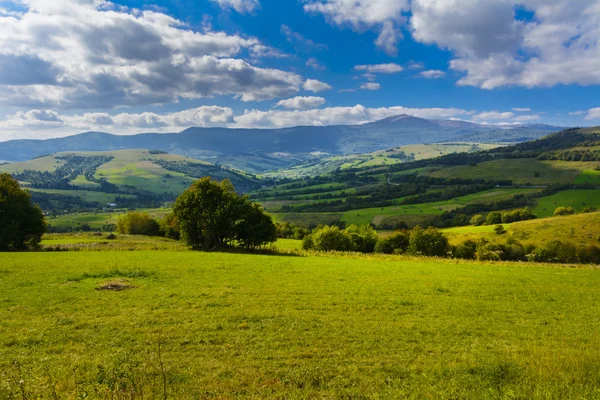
(342, 139)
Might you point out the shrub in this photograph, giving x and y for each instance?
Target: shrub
(589, 254)
(564, 211)
(362, 238)
(396, 243)
(136, 223)
(428, 242)
(477, 220)
(256, 229)
(499, 229)
(22, 223)
(329, 238)
(520, 214)
(466, 250)
(169, 227)
(493, 218)
(555, 252)
(588, 210)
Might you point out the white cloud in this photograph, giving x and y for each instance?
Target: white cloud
(316, 86)
(433, 74)
(93, 54)
(493, 115)
(380, 68)
(312, 62)
(302, 103)
(527, 118)
(573, 113)
(47, 123)
(241, 6)
(416, 65)
(300, 42)
(360, 15)
(370, 86)
(559, 45)
(517, 109)
(593, 113)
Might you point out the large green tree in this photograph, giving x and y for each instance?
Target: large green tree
(213, 216)
(22, 223)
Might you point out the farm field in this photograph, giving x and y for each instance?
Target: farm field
(578, 199)
(579, 229)
(86, 195)
(200, 325)
(520, 171)
(96, 220)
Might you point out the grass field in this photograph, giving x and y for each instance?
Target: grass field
(580, 229)
(520, 171)
(86, 195)
(246, 326)
(578, 199)
(96, 220)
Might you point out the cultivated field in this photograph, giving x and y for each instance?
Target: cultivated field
(198, 325)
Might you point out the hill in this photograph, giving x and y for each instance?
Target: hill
(129, 178)
(274, 148)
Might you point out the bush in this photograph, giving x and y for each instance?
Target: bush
(467, 250)
(564, 211)
(428, 242)
(555, 252)
(493, 218)
(589, 254)
(499, 229)
(256, 229)
(396, 243)
(136, 223)
(477, 220)
(328, 238)
(169, 227)
(22, 223)
(588, 210)
(362, 238)
(520, 214)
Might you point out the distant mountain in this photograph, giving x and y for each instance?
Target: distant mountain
(207, 143)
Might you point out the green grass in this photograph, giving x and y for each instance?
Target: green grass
(520, 171)
(589, 177)
(378, 215)
(96, 220)
(578, 199)
(579, 229)
(86, 195)
(247, 326)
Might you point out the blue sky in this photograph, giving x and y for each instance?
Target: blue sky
(69, 66)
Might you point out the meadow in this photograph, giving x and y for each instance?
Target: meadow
(217, 325)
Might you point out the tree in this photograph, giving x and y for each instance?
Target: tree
(256, 228)
(362, 238)
(169, 227)
(477, 220)
(212, 216)
(327, 238)
(396, 243)
(494, 218)
(564, 211)
(428, 242)
(135, 223)
(22, 223)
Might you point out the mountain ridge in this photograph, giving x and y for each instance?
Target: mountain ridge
(204, 143)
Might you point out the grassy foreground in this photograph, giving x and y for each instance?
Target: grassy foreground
(202, 325)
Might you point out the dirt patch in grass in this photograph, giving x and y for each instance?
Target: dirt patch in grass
(116, 285)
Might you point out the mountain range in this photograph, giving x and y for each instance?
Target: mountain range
(211, 143)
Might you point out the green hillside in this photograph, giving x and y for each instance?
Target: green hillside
(135, 178)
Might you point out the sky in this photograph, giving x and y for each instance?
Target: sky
(125, 67)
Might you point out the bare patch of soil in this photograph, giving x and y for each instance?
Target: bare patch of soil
(116, 285)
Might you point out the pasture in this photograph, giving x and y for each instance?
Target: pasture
(197, 325)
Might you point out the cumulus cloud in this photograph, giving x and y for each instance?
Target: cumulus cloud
(370, 86)
(47, 123)
(241, 6)
(391, 68)
(527, 118)
(493, 115)
(94, 54)
(433, 74)
(302, 103)
(313, 85)
(593, 113)
(559, 45)
(360, 15)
